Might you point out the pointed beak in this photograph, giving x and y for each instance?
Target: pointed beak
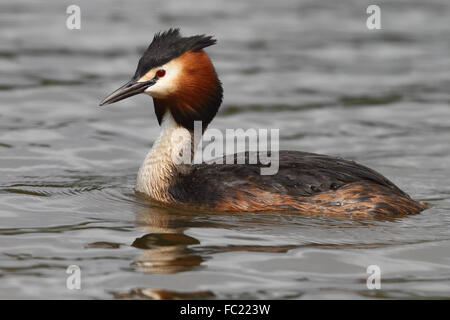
(129, 89)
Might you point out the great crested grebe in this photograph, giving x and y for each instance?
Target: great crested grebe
(180, 77)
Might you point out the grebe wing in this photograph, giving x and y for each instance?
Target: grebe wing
(299, 174)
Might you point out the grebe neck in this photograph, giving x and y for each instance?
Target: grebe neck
(165, 158)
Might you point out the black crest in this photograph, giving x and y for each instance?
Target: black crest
(169, 45)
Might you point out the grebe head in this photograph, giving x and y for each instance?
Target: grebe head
(180, 77)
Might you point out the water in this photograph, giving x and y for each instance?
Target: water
(310, 68)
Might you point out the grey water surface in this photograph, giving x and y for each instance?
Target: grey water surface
(310, 68)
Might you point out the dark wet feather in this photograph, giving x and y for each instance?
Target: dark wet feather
(300, 174)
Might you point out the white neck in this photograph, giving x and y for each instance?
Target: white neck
(161, 163)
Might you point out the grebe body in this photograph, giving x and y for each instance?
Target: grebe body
(180, 77)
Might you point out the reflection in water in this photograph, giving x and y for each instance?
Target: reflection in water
(172, 257)
(160, 294)
(103, 244)
(165, 248)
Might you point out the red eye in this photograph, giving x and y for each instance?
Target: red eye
(160, 73)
